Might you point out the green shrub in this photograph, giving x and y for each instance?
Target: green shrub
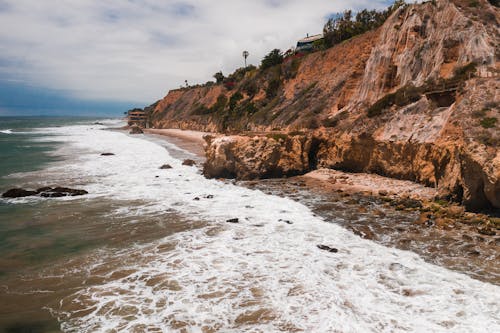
(384, 103)
(201, 110)
(249, 108)
(272, 87)
(273, 58)
(235, 98)
(407, 95)
(291, 69)
(479, 113)
(489, 122)
(249, 87)
(219, 77)
(463, 72)
(486, 138)
(402, 97)
(220, 104)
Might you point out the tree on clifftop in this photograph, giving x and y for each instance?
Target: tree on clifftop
(275, 57)
(219, 77)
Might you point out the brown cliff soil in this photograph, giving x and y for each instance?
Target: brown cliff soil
(416, 99)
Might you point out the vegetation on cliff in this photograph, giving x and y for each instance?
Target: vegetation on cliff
(414, 98)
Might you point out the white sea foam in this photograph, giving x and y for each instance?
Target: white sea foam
(260, 275)
(6, 131)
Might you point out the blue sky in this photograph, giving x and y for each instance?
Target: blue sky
(100, 57)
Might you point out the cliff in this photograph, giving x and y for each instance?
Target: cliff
(416, 99)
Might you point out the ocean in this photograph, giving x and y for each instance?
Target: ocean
(150, 250)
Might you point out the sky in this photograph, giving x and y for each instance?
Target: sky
(102, 57)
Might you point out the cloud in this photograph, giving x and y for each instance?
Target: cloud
(136, 50)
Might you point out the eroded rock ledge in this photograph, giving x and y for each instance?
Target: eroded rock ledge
(458, 174)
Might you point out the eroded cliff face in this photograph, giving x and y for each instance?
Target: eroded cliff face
(435, 118)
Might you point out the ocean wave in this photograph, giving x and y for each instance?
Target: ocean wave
(6, 131)
(256, 275)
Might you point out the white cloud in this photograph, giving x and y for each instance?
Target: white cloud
(136, 50)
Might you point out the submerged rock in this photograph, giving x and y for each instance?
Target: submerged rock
(46, 192)
(107, 154)
(62, 192)
(235, 220)
(136, 130)
(189, 162)
(166, 166)
(327, 248)
(18, 193)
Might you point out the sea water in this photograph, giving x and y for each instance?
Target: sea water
(150, 250)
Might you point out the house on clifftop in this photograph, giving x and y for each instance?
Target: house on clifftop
(137, 117)
(307, 43)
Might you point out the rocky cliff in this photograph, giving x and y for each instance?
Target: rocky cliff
(416, 99)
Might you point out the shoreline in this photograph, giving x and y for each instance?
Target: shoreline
(191, 141)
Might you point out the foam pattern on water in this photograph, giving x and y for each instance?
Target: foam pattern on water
(259, 275)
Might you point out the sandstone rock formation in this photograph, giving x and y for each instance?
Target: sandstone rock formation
(136, 130)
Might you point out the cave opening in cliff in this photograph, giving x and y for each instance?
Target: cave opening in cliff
(313, 153)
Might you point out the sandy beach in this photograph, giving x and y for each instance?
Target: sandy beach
(190, 140)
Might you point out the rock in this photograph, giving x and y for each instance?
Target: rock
(249, 158)
(467, 238)
(166, 166)
(487, 231)
(46, 192)
(196, 199)
(18, 193)
(444, 223)
(424, 218)
(285, 221)
(61, 192)
(188, 162)
(383, 193)
(107, 154)
(43, 189)
(235, 220)
(363, 231)
(455, 211)
(210, 196)
(327, 248)
(136, 130)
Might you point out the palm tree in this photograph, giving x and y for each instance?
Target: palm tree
(245, 56)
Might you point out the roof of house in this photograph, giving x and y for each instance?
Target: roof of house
(311, 39)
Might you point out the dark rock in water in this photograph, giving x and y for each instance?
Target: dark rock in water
(235, 220)
(46, 192)
(58, 192)
(44, 189)
(98, 123)
(107, 154)
(487, 231)
(285, 221)
(327, 248)
(363, 231)
(189, 162)
(196, 199)
(210, 196)
(18, 193)
(166, 166)
(136, 130)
